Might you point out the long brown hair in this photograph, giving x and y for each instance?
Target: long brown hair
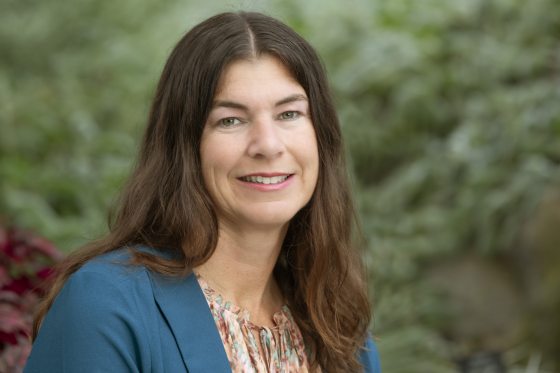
(165, 204)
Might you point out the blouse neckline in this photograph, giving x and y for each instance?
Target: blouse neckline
(282, 318)
(254, 348)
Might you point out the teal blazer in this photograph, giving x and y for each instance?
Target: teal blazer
(113, 317)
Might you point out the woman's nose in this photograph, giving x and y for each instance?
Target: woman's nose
(265, 139)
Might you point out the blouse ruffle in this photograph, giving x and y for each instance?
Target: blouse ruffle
(253, 348)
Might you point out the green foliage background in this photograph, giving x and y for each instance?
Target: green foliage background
(450, 109)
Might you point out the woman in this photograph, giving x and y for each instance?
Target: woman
(231, 250)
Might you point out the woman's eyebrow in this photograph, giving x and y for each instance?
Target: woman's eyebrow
(237, 105)
(229, 104)
(291, 98)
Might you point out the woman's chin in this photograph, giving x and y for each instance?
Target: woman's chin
(266, 219)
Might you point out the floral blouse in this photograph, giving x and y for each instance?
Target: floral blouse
(279, 349)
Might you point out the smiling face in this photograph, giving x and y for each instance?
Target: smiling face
(258, 149)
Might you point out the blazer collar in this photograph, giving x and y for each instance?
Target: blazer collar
(184, 306)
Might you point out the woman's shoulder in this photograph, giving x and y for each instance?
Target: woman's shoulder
(116, 263)
(112, 270)
(108, 279)
(106, 289)
(117, 266)
(115, 279)
(105, 308)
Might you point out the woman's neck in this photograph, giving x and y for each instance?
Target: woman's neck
(241, 271)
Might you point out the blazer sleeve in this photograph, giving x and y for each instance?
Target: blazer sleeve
(92, 326)
(370, 357)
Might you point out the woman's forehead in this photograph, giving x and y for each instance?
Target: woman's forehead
(262, 77)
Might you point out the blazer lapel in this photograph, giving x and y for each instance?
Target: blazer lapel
(184, 306)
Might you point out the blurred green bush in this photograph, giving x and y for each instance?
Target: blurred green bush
(451, 114)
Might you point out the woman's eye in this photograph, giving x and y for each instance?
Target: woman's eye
(229, 122)
(289, 115)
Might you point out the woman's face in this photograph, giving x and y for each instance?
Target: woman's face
(258, 149)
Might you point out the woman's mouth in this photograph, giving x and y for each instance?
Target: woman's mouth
(267, 180)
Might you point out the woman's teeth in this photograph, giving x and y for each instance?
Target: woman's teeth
(265, 180)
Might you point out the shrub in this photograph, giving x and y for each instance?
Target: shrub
(26, 263)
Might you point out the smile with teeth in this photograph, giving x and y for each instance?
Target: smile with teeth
(265, 180)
